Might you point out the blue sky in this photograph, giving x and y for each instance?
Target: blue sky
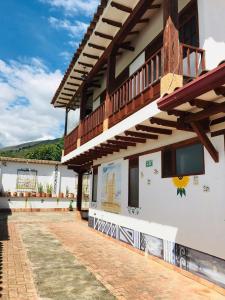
(38, 39)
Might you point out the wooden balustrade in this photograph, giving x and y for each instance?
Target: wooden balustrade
(144, 77)
(193, 61)
(70, 141)
(138, 90)
(92, 125)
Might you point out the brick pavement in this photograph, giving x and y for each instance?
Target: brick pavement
(124, 273)
(127, 274)
(16, 281)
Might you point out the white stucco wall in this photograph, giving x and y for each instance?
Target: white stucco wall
(196, 221)
(45, 175)
(211, 30)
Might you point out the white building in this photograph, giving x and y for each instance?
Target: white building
(149, 79)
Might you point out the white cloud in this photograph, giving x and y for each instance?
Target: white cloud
(75, 30)
(87, 7)
(26, 112)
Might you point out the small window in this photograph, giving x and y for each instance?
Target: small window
(94, 184)
(133, 196)
(188, 160)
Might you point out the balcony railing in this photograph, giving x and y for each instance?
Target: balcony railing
(70, 141)
(92, 124)
(138, 90)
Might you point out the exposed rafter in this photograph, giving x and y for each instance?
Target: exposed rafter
(127, 46)
(68, 89)
(205, 113)
(154, 129)
(85, 64)
(66, 94)
(73, 84)
(76, 78)
(81, 72)
(113, 146)
(169, 123)
(123, 143)
(177, 113)
(141, 135)
(201, 103)
(220, 91)
(112, 22)
(217, 121)
(99, 47)
(90, 55)
(130, 139)
(121, 7)
(104, 35)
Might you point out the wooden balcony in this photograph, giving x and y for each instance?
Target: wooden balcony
(137, 91)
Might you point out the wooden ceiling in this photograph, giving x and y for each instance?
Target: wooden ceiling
(112, 24)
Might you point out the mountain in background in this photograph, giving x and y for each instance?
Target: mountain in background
(43, 150)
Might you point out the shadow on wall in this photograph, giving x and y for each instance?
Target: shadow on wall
(4, 236)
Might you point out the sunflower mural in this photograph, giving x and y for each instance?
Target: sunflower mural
(181, 183)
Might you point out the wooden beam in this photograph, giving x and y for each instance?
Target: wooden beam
(104, 35)
(85, 64)
(81, 72)
(90, 55)
(122, 143)
(141, 135)
(218, 132)
(220, 91)
(127, 46)
(171, 49)
(205, 113)
(217, 121)
(77, 78)
(121, 7)
(112, 22)
(66, 99)
(205, 141)
(130, 139)
(133, 32)
(145, 20)
(68, 89)
(178, 125)
(73, 84)
(155, 6)
(201, 103)
(66, 94)
(113, 146)
(154, 129)
(99, 47)
(163, 122)
(177, 113)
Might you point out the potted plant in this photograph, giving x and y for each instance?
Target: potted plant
(49, 189)
(33, 194)
(40, 190)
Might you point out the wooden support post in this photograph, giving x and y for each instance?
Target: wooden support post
(171, 49)
(205, 141)
(110, 85)
(66, 121)
(79, 191)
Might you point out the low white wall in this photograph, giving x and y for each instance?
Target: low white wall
(33, 203)
(195, 220)
(57, 175)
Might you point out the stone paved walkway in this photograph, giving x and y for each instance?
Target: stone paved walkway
(55, 257)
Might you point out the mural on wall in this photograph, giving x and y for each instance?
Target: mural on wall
(111, 187)
(26, 180)
(181, 183)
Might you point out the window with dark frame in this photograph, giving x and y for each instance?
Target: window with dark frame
(133, 191)
(183, 161)
(95, 184)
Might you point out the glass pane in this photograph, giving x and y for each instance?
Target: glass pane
(190, 160)
(134, 187)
